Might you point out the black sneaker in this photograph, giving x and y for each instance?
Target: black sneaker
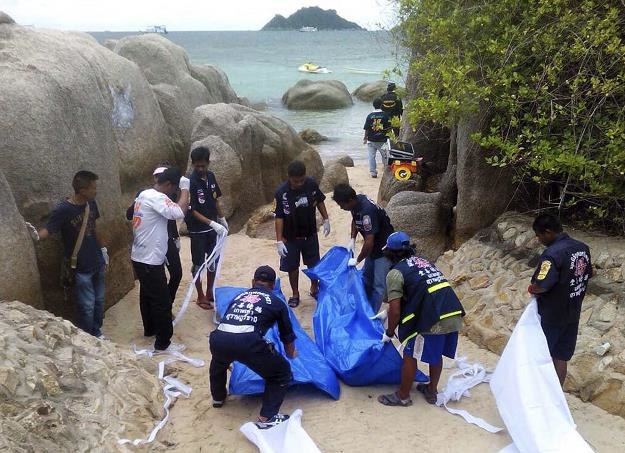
(273, 421)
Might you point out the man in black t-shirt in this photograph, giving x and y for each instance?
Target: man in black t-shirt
(239, 337)
(559, 284)
(392, 105)
(204, 220)
(372, 222)
(376, 127)
(67, 219)
(297, 199)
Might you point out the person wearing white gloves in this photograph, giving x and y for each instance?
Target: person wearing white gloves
(152, 211)
(205, 221)
(371, 221)
(297, 201)
(92, 257)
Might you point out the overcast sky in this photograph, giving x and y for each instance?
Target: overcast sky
(130, 15)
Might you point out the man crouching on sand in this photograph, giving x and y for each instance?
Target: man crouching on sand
(240, 337)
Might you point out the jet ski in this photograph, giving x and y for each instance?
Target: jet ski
(313, 68)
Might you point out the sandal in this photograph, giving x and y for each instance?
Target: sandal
(430, 397)
(392, 399)
(293, 302)
(205, 304)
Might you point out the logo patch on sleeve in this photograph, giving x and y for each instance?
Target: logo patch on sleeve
(544, 270)
(366, 223)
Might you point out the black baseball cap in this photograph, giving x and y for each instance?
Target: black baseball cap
(265, 274)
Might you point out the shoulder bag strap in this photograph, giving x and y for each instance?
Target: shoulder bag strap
(81, 236)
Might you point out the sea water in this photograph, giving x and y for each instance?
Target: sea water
(262, 65)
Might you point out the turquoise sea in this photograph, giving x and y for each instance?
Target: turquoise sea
(263, 65)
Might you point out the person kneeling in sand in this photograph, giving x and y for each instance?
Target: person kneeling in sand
(239, 337)
(427, 313)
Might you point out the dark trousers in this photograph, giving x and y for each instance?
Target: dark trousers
(253, 351)
(174, 267)
(154, 303)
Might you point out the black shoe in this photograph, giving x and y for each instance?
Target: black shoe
(273, 421)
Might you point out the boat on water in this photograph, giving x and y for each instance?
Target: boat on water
(160, 29)
(313, 68)
(308, 29)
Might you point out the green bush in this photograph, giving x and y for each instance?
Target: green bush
(552, 73)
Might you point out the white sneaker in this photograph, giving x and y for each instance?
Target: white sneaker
(173, 347)
(103, 337)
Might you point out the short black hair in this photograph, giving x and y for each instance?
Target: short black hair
(343, 193)
(377, 103)
(296, 168)
(83, 180)
(164, 163)
(172, 175)
(391, 87)
(398, 255)
(545, 221)
(200, 153)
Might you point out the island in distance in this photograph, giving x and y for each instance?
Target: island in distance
(309, 19)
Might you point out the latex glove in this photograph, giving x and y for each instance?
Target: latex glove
(385, 338)
(281, 248)
(105, 255)
(218, 227)
(177, 242)
(352, 262)
(184, 183)
(351, 244)
(326, 227)
(381, 316)
(32, 231)
(223, 222)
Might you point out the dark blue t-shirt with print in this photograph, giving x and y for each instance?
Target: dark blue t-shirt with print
(203, 195)
(370, 218)
(377, 125)
(66, 219)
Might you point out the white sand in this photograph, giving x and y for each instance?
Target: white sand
(356, 422)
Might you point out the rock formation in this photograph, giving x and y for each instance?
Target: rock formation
(317, 95)
(312, 136)
(334, 173)
(368, 91)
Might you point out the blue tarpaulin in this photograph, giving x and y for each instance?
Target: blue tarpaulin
(348, 339)
(308, 367)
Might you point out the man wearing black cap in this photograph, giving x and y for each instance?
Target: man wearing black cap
(392, 105)
(239, 337)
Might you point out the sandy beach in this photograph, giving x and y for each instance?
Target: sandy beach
(356, 422)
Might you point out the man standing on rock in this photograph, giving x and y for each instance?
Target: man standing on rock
(559, 285)
(372, 222)
(297, 201)
(376, 127)
(153, 209)
(392, 105)
(239, 337)
(75, 219)
(205, 221)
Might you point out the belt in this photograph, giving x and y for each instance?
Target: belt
(235, 329)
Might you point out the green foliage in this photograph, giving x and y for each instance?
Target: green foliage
(552, 72)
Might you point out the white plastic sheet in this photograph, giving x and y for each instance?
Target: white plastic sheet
(287, 437)
(528, 393)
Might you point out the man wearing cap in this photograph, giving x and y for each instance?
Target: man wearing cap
(152, 210)
(427, 313)
(392, 105)
(239, 337)
(371, 221)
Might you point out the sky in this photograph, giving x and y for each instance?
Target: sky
(131, 15)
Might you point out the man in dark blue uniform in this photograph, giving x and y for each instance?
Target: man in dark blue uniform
(297, 201)
(204, 220)
(559, 284)
(239, 337)
(427, 313)
(371, 221)
(392, 106)
(376, 127)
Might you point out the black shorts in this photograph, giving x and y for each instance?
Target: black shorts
(308, 248)
(561, 339)
(202, 245)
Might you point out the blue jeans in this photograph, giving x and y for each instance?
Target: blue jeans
(373, 148)
(374, 274)
(89, 300)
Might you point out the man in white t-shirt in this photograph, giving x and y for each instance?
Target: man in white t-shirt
(153, 208)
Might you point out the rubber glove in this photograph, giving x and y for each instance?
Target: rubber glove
(381, 316)
(184, 183)
(385, 338)
(218, 228)
(223, 221)
(281, 248)
(326, 227)
(105, 255)
(351, 244)
(32, 231)
(177, 242)
(352, 262)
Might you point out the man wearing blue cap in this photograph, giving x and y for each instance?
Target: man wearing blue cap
(426, 313)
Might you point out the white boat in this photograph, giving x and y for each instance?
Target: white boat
(160, 29)
(313, 69)
(308, 29)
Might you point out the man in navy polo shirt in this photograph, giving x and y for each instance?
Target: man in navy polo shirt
(377, 125)
(372, 222)
(297, 200)
(204, 220)
(559, 284)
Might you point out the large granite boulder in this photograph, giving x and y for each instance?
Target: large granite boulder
(390, 186)
(5, 18)
(312, 136)
(424, 217)
(368, 91)
(317, 95)
(334, 173)
(216, 82)
(261, 144)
